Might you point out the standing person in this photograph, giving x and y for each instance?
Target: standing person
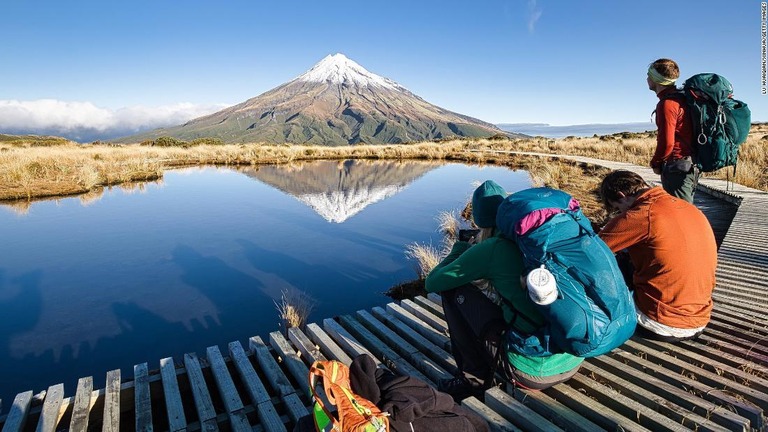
(674, 140)
(673, 251)
(476, 323)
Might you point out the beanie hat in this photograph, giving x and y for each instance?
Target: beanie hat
(485, 203)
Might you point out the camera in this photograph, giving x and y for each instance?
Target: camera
(466, 234)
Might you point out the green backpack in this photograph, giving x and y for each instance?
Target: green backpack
(720, 123)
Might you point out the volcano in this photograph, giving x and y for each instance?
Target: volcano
(336, 102)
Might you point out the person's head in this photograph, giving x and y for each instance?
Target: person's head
(485, 203)
(620, 188)
(662, 73)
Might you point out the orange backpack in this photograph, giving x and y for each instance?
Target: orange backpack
(355, 413)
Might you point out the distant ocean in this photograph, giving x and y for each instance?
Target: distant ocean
(584, 130)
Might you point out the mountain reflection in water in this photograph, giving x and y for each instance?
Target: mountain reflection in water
(133, 274)
(337, 190)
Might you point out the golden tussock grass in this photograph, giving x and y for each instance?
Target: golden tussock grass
(294, 307)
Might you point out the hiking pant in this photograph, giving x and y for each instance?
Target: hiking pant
(476, 326)
(680, 184)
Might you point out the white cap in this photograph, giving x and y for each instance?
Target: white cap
(542, 287)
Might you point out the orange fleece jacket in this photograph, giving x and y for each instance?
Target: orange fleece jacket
(673, 249)
(674, 136)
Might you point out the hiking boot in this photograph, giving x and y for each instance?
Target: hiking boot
(460, 388)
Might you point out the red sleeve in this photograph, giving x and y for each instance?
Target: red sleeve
(666, 123)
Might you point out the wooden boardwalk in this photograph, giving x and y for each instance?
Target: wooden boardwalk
(717, 383)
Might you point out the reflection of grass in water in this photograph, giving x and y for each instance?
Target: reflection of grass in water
(294, 307)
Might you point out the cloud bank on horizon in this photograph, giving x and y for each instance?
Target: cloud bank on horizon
(85, 122)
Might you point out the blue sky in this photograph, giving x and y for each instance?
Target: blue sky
(108, 65)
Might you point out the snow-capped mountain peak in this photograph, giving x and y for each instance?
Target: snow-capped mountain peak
(338, 69)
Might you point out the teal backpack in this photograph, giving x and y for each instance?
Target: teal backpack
(594, 311)
(720, 123)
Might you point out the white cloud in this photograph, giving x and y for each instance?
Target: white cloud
(534, 13)
(76, 120)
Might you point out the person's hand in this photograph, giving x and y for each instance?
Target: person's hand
(472, 240)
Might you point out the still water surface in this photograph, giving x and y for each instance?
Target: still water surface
(90, 284)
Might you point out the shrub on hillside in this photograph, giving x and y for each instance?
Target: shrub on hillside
(206, 141)
(165, 141)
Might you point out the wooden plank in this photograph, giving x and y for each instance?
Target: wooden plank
(407, 351)
(82, 405)
(438, 338)
(432, 307)
(425, 315)
(111, 419)
(256, 390)
(604, 417)
(346, 341)
(270, 368)
(650, 400)
(434, 352)
(710, 364)
(49, 416)
(308, 350)
(142, 398)
(559, 414)
(224, 382)
(714, 395)
(295, 407)
(176, 419)
(17, 416)
(390, 358)
(711, 379)
(326, 344)
(516, 412)
(496, 422)
(268, 416)
(674, 393)
(200, 394)
(435, 297)
(296, 367)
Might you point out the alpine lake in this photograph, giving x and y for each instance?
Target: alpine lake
(136, 273)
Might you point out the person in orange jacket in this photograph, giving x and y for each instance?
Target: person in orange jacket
(673, 251)
(674, 139)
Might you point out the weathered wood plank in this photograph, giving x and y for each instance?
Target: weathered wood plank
(438, 338)
(277, 379)
(82, 405)
(346, 341)
(517, 413)
(714, 395)
(390, 358)
(111, 419)
(200, 394)
(425, 315)
(17, 416)
(443, 358)
(270, 368)
(674, 393)
(268, 416)
(308, 350)
(596, 412)
(287, 353)
(559, 414)
(711, 379)
(432, 307)
(175, 410)
(407, 351)
(650, 400)
(256, 390)
(142, 398)
(326, 344)
(496, 422)
(49, 416)
(224, 382)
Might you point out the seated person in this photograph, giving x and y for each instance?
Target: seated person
(476, 323)
(673, 251)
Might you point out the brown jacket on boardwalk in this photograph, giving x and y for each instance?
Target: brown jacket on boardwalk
(673, 250)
